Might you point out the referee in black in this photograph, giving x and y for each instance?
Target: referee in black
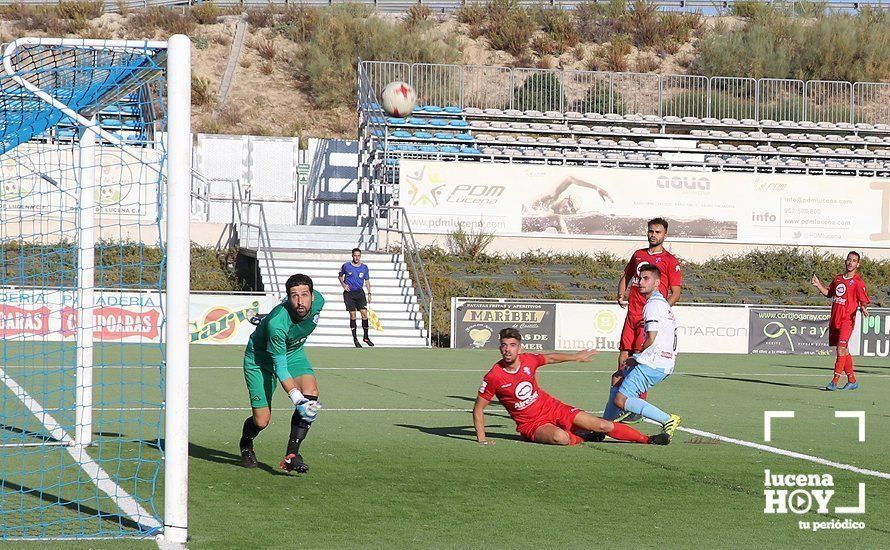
(354, 277)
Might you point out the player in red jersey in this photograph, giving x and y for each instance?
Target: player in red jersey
(634, 334)
(539, 416)
(847, 293)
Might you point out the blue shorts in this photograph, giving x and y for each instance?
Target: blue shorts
(640, 379)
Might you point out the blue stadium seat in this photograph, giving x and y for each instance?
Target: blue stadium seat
(438, 122)
(401, 134)
(432, 108)
(428, 149)
(66, 133)
(443, 136)
(452, 110)
(449, 149)
(457, 123)
(422, 135)
(470, 151)
(463, 137)
(416, 121)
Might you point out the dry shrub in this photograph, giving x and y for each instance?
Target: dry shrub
(298, 24)
(558, 26)
(231, 115)
(267, 68)
(202, 91)
(417, 14)
(205, 13)
(547, 62)
(223, 40)
(260, 18)
(245, 62)
(615, 54)
(543, 45)
(265, 47)
(647, 63)
(150, 21)
(509, 27)
(472, 15)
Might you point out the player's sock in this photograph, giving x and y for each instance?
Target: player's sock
(298, 430)
(365, 329)
(353, 328)
(650, 411)
(848, 369)
(624, 432)
(839, 364)
(611, 411)
(249, 431)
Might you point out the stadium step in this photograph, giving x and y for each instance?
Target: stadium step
(320, 252)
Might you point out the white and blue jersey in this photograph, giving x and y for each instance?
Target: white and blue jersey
(658, 317)
(656, 362)
(355, 275)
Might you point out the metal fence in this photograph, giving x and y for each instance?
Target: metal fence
(482, 87)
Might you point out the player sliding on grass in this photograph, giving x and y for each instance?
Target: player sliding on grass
(275, 352)
(654, 363)
(847, 293)
(539, 416)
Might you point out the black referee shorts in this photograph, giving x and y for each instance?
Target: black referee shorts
(355, 300)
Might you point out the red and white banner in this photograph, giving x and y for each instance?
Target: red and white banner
(50, 315)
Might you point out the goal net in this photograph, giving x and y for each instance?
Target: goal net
(94, 168)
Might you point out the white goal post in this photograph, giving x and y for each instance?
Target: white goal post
(31, 92)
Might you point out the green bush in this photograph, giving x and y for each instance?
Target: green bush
(509, 27)
(347, 31)
(774, 44)
(541, 91)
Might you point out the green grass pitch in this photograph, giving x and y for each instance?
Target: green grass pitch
(395, 464)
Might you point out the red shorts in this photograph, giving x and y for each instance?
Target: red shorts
(633, 335)
(840, 336)
(554, 412)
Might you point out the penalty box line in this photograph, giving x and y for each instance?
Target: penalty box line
(97, 474)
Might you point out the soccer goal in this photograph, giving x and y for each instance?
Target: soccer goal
(95, 162)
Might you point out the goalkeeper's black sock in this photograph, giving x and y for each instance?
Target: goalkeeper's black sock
(248, 432)
(298, 430)
(365, 328)
(353, 327)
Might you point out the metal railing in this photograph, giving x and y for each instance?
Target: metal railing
(411, 252)
(490, 87)
(446, 6)
(241, 222)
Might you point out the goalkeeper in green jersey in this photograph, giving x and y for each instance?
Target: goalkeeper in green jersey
(275, 353)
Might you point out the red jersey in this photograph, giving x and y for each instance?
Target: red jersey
(671, 275)
(846, 296)
(518, 392)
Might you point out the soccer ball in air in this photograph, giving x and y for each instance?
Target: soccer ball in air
(398, 99)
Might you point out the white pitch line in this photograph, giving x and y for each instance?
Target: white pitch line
(784, 452)
(99, 476)
(479, 371)
(693, 431)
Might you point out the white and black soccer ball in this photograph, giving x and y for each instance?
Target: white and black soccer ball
(398, 99)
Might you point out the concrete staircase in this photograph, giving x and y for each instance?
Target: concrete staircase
(319, 251)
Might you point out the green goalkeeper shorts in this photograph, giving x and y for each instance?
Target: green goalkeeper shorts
(261, 380)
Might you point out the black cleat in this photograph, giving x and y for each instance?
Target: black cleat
(659, 439)
(592, 437)
(248, 458)
(355, 341)
(294, 463)
(368, 342)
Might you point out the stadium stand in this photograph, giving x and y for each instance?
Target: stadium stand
(817, 127)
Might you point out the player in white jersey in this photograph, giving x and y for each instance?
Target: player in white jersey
(656, 360)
